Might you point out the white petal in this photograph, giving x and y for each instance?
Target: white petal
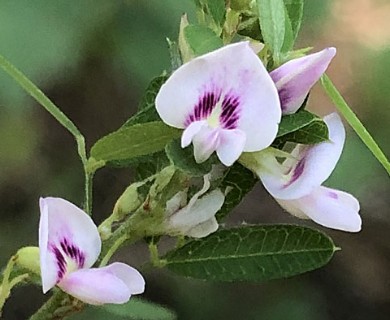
(314, 167)
(202, 210)
(66, 233)
(203, 229)
(328, 207)
(112, 284)
(191, 131)
(231, 146)
(232, 71)
(206, 141)
(295, 78)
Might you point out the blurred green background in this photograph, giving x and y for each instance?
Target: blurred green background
(94, 58)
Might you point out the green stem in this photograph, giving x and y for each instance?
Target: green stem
(6, 286)
(50, 107)
(354, 121)
(117, 244)
(43, 100)
(57, 307)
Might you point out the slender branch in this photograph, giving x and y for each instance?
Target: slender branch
(354, 121)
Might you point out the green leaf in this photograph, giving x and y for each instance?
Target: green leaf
(354, 121)
(296, 121)
(201, 39)
(217, 10)
(240, 181)
(147, 110)
(141, 309)
(301, 127)
(288, 42)
(272, 24)
(254, 253)
(134, 141)
(135, 309)
(183, 159)
(295, 13)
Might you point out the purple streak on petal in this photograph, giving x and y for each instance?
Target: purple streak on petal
(61, 263)
(298, 170)
(230, 112)
(333, 195)
(71, 251)
(204, 106)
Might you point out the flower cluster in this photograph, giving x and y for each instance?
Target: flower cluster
(227, 102)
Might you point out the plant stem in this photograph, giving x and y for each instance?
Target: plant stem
(354, 121)
(57, 307)
(43, 100)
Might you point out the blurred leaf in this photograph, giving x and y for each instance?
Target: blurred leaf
(288, 41)
(254, 253)
(272, 23)
(141, 309)
(135, 309)
(240, 181)
(134, 141)
(183, 159)
(217, 10)
(201, 39)
(295, 13)
(146, 109)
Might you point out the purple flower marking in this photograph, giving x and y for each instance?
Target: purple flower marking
(72, 252)
(230, 112)
(206, 104)
(204, 107)
(333, 195)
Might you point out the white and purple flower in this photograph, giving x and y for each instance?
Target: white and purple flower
(296, 183)
(295, 78)
(69, 244)
(225, 101)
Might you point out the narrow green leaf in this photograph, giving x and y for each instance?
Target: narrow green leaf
(183, 159)
(239, 181)
(201, 39)
(134, 141)
(354, 121)
(288, 42)
(254, 253)
(295, 13)
(272, 24)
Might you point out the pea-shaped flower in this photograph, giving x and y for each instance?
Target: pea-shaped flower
(69, 244)
(225, 101)
(296, 183)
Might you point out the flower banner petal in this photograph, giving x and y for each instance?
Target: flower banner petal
(228, 89)
(67, 235)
